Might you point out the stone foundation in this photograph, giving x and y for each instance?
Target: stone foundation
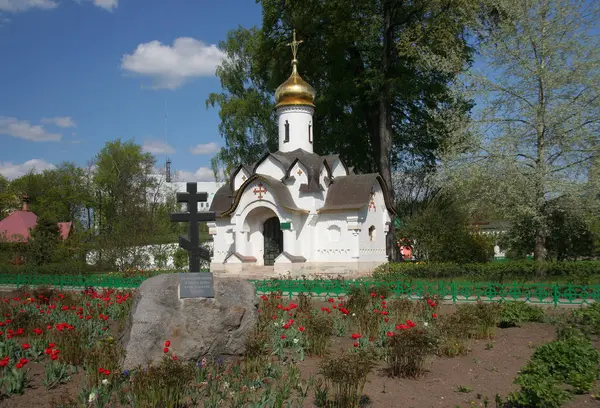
(350, 270)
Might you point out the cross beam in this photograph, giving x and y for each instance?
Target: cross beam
(191, 243)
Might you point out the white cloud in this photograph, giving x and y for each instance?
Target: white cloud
(207, 148)
(109, 5)
(60, 121)
(12, 171)
(170, 66)
(15, 6)
(202, 174)
(24, 130)
(157, 147)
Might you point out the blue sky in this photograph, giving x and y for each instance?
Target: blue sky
(77, 73)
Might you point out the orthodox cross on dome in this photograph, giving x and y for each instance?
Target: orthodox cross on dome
(294, 44)
(191, 243)
(260, 190)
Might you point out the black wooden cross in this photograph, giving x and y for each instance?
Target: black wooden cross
(193, 217)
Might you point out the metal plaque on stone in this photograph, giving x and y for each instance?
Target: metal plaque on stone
(196, 285)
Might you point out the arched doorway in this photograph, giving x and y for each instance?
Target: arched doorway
(273, 240)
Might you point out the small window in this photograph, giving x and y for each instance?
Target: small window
(334, 233)
(287, 132)
(372, 233)
(309, 133)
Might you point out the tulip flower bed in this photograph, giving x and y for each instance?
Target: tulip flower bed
(361, 349)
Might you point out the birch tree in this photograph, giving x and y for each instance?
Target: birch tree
(537, 113)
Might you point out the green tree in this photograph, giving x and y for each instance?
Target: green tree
(570, 233)
(131, 206)
(8, 201)
(44, 242)
(60, 193)
(442, 233)
(538, 110)
(382, 69)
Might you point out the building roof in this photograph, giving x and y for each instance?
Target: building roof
(225, 203)
(65, 229)
(17, 226)
(222, 200)
(353, 192)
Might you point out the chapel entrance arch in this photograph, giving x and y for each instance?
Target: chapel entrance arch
(261, 224)
(273, 240)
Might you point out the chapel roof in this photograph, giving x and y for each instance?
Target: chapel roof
(311, 161)
(353, 192)
(224, 202)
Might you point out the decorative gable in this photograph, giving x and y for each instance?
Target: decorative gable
(298, 173)
(338, 169)
(240, 177)
(270, 166)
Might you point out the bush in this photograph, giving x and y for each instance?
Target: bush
(408, 350)
(319, 329)
(571, 360)
(443, 233)
(455, 331)
(162, 385)
(347, 374)
(588, 318)
(485, 318)
(68, 268)
(363, 300)
(180, 258)
(576, 272)
(514, 313)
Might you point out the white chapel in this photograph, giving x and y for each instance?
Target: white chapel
(296, 212)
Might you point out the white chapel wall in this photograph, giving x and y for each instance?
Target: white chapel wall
(223, 239)
(334, 241)
(372, 234)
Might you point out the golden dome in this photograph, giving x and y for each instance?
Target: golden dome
(295, 90)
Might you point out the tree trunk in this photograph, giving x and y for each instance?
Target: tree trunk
(384, 144)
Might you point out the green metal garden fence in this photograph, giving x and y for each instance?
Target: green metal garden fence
(455, 292)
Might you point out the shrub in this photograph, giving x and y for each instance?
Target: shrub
(588, 317)
(362, 301)
(514, 313)
(319, 329)
(256, 344)
(67, 268)
(485, 317)
(346, 374)
(407, 351)
(576, 272)
(455, 330)
(180, 258)
(570, 360)
(162, 385)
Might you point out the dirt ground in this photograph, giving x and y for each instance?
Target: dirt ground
(485, 371)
